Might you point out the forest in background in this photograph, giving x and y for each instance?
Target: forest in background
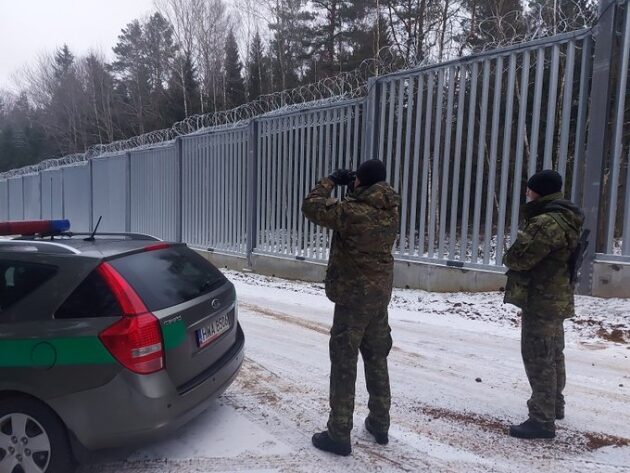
(191, 57)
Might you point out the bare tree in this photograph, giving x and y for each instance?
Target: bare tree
(211, 28)
(182, 14)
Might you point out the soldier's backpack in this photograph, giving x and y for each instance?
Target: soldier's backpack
(577, 256)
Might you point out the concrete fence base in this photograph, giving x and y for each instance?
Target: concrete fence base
(610, 279)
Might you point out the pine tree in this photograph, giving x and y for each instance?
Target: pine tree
(64, 61)
(257, 69)
(133, 74)
(367, 43)
(234, 85)
(184, 85)
(493, 23)
(160, 50)
(337, 28)
(287, 48)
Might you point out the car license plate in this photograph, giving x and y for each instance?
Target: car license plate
(210, 332)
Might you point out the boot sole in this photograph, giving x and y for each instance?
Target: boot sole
(519, 435)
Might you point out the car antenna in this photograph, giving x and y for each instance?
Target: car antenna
(91, 237)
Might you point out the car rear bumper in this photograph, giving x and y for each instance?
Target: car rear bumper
(133, 409)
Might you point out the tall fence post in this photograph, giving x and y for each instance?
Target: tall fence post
(598, 127)
(179, 237)
(372, 109)
(128, 200)
(252, 203)
(91, 219)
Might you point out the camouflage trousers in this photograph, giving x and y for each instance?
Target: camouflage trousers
(367, 331)
(542, 347)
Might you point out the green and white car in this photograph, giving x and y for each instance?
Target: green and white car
(107, 341)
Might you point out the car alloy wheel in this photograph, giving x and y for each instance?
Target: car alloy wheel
(24, 445)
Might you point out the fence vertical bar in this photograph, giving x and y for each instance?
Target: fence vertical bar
(302, 192)
(328, 164)
(551, 107)
(520, 146)
(91, 222)
(390, 127)
(424, 191)
(41, 198)
(350, 159)
(416, 163)
(372, 116)
(580, 130)
(381, 116)
(617, 150)
(470, 131)
(505, 160)
(320, 160)
(533, 142)
(268, 185)
(395, 163)
(128, 196)
(289, 187)
(310, 170)
(566, 110)
(285, 184)
(309, 179)
(253, 205)
(295, 183)
(494, 143)
(481, 152)
(461, 104)
(435, 173)
(447, 160)
(597, 134)
(273, 225)
(405, 167)
(357, 115)
(223, 160)
(259, 149)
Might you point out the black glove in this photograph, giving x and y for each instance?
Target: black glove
(342, 177)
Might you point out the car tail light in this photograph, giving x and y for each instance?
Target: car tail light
(136, 339)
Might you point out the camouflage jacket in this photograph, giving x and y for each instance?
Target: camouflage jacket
(365, 225)
(539, 279)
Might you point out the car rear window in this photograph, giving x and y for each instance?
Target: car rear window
(167, 277)
(18, 279)
(92, 298)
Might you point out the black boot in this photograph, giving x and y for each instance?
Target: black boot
(531, 429)
(381, 437)
(324, 442)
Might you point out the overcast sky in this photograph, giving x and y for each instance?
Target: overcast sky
(31, 27)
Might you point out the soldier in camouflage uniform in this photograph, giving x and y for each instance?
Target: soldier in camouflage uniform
(359, 281)
(539, 282)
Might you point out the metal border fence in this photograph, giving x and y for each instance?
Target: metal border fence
(459, 140)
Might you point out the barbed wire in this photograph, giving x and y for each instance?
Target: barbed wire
(496, 31)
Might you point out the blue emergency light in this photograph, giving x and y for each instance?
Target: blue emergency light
(35, 227)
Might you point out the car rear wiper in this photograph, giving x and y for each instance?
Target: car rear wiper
(209, 285)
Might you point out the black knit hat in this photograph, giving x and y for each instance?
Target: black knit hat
(371, 172)
(545, 182)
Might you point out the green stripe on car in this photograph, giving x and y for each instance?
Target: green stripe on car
(53, 352)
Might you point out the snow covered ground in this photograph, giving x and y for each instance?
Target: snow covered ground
(457, 382)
